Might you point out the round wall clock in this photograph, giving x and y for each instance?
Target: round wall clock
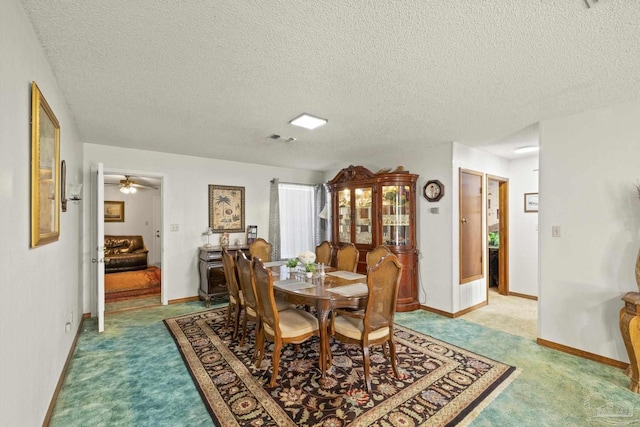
(433, 190)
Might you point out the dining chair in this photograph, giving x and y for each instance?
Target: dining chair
(260, 248)
(374, 255)
(347, 257)
(324, 253)
(292, 326)
(236, 299)
(250, 299)
(375, 325)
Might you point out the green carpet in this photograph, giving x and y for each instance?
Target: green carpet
(133, 375)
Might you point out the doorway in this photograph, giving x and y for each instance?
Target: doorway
(140, 195)
(497, 203)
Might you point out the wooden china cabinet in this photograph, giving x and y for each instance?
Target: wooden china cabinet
(372, 209)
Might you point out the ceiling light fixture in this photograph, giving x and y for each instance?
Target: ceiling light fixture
(526, 149)
(128, 189)
(308, 121)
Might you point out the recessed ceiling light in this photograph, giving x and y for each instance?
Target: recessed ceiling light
(308, 121)
(527, 149)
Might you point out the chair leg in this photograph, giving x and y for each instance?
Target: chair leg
(236, 322)
(244, 328)
(365, 357)
(228, 314)
(258, 329)
(258, 353)
(392, 350)
(275, 361)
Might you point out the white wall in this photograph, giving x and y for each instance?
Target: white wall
(138, 216)
(523, 228)
(40, 287)
(588, 168)
(185, 192)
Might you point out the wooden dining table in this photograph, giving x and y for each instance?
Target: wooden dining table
(336, 289)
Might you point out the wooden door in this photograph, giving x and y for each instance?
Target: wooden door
(471, 243)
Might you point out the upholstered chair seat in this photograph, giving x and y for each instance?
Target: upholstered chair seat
(294, 323)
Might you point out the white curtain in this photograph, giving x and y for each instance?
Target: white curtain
(297, 219)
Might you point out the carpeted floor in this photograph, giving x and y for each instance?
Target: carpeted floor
(512, 314)
(438, 383)
(133, 375)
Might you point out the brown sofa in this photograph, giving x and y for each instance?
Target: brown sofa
(124, 253)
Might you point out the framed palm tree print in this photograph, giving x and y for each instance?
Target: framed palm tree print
(226, 209)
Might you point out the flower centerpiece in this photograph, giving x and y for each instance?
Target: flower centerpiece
(307, 257)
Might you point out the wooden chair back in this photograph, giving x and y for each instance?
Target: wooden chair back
(347, 257)
(260, 248)
(231, 275)
(374, 255)
(383, 281)
(324, 253)
(244, 276)
(263, 287)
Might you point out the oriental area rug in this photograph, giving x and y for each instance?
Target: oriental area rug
(439, 384)
(132, 284)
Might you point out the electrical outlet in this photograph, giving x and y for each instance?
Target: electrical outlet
(555, 231)
(174, 227)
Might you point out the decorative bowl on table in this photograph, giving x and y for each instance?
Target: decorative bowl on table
(307, 257)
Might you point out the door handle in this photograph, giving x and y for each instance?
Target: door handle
(463, 220)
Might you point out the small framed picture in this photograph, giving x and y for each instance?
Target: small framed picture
(113, 211)
(531, 202)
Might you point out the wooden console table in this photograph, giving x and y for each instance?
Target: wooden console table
(630, 330)
(212, 281)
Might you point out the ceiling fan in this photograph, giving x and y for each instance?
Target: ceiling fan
(130, 186)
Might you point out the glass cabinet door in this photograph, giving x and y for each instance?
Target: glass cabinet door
(344, 215)
(363, 217)
(395, 215)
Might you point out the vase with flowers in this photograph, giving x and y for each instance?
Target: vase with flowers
(310, 268)
(292, 264)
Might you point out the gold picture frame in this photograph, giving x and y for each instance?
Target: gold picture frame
(113, 211)
(226, 209)
(45, 172)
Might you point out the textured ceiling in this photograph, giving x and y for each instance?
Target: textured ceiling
(215, 79)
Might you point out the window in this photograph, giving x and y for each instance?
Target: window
(297, 224)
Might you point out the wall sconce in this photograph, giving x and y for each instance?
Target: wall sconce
(74, 188)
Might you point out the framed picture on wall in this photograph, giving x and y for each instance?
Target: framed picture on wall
(531, 202)
(226, 209)
(45, 172)
(113, 211)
